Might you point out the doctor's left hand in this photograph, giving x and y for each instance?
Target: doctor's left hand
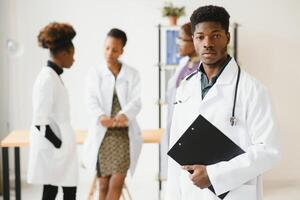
(121, 120)
(198, 175)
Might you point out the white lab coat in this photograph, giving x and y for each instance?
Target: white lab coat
(100, 89)
(256, 133)
(47, 164)
(170, 99)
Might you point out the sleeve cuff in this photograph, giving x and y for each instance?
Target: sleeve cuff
(213, 175)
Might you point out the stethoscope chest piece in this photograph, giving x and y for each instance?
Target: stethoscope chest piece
(233, 121)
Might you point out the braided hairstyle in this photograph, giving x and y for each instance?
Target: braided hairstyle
(56, 37)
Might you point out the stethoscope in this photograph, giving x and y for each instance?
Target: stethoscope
(233, 119)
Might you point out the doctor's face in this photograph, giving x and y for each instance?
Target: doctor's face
(210, 41)
(185, 44)
(66, 57)
(113, 49)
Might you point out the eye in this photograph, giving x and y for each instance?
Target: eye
(199, 37)
(217, 36)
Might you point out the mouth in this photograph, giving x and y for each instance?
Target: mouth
(209, 54)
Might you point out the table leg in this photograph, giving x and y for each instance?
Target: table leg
(159, 172)
(5, 173)
(17, 174)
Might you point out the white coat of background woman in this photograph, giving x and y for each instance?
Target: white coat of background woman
(188, 63)
(53, 156)
(113, 97)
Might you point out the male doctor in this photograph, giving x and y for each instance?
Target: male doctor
(211, 91)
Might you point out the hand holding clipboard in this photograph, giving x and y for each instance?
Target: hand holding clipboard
(204, 144)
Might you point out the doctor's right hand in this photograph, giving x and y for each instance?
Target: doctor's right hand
(198, 175)
(106, 121)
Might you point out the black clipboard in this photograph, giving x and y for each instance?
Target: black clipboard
(204, 144)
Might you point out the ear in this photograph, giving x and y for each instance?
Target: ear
(228, 37)
(122, 50)
(60, 55)
(65, 53)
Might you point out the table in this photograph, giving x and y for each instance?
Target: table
(20, 138)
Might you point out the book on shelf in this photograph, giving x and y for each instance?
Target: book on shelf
(172, 56)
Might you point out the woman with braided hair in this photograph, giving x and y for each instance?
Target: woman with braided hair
(53, 156)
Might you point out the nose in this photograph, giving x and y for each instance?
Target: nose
(207, 43)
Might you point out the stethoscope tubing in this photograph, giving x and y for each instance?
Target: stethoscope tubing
(233, 118)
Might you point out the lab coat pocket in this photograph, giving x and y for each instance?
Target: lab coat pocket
(40, 141)
(56, 130)
(182, 100)
(245, 192)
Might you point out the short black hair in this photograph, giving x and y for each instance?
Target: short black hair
(119, 34)
(210, 13)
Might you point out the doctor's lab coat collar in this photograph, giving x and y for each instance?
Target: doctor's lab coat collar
(121, 75)
(55, 67)
(229, 73)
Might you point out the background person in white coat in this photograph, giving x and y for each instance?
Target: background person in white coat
(53, 156)
(188, 63)
(210, 92)
(113, 99)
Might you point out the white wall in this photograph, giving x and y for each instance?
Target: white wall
(268, 48)
(6, 28)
